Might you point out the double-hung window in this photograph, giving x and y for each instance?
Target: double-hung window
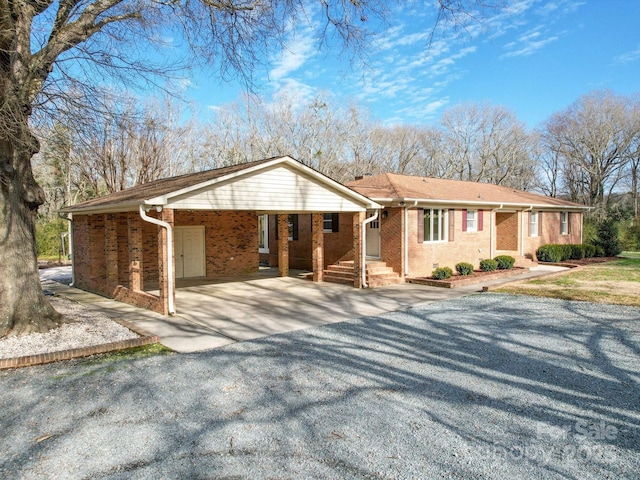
(472, 221)
(330, 223)
(564, 223)
(533, 224)
(435, 225)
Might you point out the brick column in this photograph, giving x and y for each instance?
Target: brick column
(283, 245)
(163, 277)
(134, 224)
(358, 253)
(111, 247)
(317, 244)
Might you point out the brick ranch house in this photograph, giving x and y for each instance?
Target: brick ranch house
(278, 212)
(132, 243)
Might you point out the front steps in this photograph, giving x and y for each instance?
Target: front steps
(378, 274)
(525, 262)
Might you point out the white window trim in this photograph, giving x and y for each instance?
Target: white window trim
(473, 228)
(564, 223)
(445, 225)
(532, 223)
(265, 231)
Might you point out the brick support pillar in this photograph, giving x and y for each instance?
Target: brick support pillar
(111, 247)
(317, 245)
(358, 251)
(134, 224)
(163, 276)
(283, 245)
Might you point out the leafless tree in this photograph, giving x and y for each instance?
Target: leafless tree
(47, 47)
(486, 143)
(593, 138)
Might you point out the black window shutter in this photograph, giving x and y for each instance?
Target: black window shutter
(294, 220)
(420, 225)
(334, 223)
(276, 224)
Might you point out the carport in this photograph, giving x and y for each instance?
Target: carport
(129, 245)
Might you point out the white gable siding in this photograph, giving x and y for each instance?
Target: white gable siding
(277, 189)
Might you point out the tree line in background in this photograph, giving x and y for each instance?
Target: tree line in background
(588, 153)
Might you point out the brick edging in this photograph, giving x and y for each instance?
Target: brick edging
(468, 281)
(42, 358)
(572, 268)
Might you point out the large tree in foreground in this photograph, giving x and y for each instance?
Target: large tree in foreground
(46, 47)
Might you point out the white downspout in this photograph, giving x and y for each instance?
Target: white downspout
(493, 227)
(166, 225)
(364, 248)
(522, 230)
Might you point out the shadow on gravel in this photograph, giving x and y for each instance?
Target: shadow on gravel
(411, 393)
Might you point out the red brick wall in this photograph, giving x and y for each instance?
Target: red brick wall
(231, 248)
(391, 234)
(231, 240)
(466, 247)
(549, 231)
(337, 245)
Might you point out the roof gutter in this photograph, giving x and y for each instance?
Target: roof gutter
(498, 205)
(160, 223)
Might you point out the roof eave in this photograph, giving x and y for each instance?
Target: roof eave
(496, 204)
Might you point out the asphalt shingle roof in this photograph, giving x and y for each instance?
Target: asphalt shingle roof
(394, 186)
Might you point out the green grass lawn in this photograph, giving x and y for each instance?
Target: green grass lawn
(612, 282)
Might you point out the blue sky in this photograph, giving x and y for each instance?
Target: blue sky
(535, 58)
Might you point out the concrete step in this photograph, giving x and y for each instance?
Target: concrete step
(333, 279)
(338, 268)
(382, 282)
(345, 275)
(378, 273)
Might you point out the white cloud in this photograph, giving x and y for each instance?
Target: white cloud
(295, 90)
(627, 57)
(528, 43)
(293, 56)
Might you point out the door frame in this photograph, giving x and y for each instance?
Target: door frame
(368, 228)
(181, 229)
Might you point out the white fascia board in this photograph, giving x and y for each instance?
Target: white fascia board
(120, 207)
(429, 201)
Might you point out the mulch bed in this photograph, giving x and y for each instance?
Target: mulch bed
(584, 261)
(476, 277)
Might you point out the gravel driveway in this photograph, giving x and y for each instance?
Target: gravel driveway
(487, 386)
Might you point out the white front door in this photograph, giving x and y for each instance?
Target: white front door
(373, 238)
(189, 252)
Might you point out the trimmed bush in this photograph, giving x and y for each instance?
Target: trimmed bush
(505, 262)
(488, 265)
(550, 253)
(464, 268)
(577, 251)
(600, 251)
(442, 273)
(589, 250)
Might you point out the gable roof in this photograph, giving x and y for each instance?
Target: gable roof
(161, 192)
(390, 187)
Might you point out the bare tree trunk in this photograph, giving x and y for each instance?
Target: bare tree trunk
(23, 306)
